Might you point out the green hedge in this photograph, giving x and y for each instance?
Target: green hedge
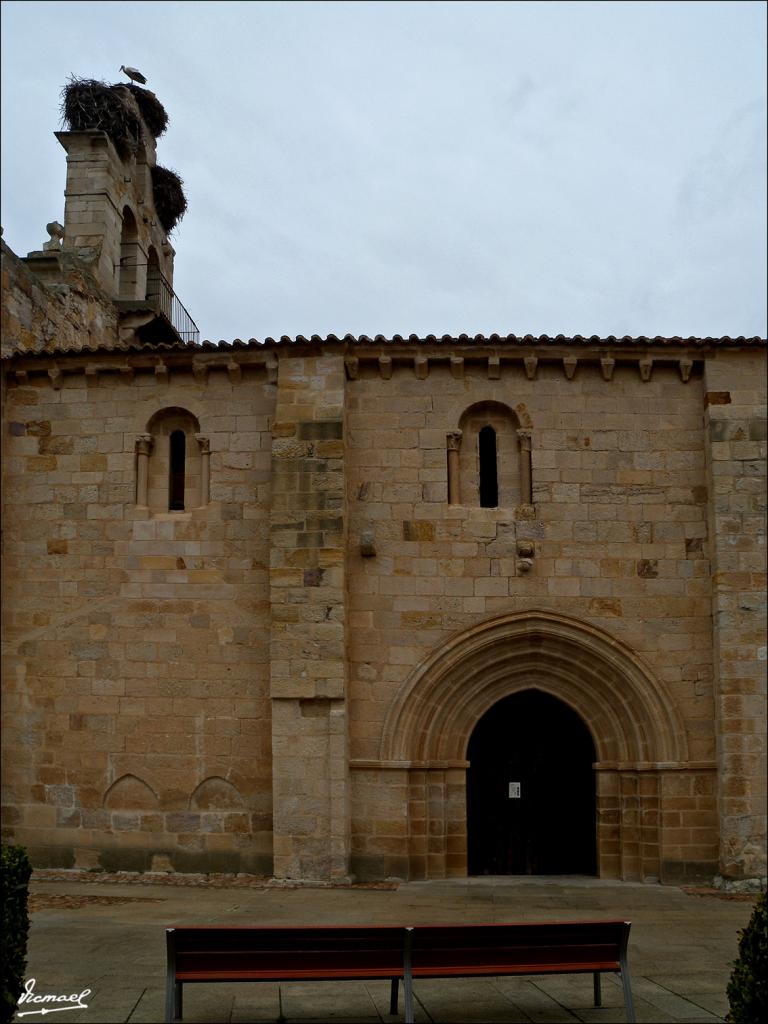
(16, 870)
(748, 988)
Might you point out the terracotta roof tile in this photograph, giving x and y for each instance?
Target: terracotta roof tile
(527, 340)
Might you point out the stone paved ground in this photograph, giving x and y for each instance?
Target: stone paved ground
(110, 938)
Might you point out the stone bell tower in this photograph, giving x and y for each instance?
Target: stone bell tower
(110, 221)
(120, 207)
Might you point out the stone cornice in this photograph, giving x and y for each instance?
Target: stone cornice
(374, 764)
(127, 365)
(571, 356)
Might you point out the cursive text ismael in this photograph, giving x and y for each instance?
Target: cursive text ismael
(28, 997)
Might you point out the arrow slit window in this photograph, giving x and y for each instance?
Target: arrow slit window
(176, 480)
(488, 468)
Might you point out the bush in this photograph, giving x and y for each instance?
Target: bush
(748, 988)
(16, 870)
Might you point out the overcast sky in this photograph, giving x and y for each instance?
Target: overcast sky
(447, 167)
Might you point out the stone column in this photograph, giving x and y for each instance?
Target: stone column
(526, 484)
(144, 443)
(608, 806)
(308, 681)
(454, 479)
(735, 443)
(205, 468)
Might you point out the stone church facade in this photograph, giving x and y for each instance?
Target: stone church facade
(384, 607)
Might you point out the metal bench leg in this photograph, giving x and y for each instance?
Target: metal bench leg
(169, 1001)
(173, 1000)
(408, 976)
(628, 1004)
(393, 995)
(598, 992)
(172, 988)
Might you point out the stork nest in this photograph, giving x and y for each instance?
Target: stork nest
(88, 104)
(124, 112)
(152, 110)
(168, 192)
(119, 110)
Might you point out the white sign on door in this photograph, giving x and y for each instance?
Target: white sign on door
(514, 791)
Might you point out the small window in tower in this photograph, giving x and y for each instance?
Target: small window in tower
(178, 445)
(489, 485)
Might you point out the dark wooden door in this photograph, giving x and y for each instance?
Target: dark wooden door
(541, 748)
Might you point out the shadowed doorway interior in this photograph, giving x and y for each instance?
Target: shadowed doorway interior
(531, 790)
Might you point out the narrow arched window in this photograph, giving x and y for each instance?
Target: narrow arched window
(177, 462)
(489, 481)
(178, 472)
(492, 469)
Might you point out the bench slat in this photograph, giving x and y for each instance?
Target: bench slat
(264, 962)
(289, 975)
(521, 935)
(492, 970)
(460, 956)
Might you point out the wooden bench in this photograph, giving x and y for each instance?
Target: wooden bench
(322, 953)
(496, 950)
(363, 953)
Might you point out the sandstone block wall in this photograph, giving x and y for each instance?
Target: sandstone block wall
(285, 677)
(619, 529)
(71, 316)
(136, 719)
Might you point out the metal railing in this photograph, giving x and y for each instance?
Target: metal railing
(167, 302)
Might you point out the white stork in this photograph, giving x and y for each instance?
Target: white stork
(134, 75)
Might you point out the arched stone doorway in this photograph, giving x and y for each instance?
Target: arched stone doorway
(531, 790)
(638, 735)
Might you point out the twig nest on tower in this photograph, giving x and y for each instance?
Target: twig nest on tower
(122, 111)
(87, 104)
(152, 110)
(168, 192)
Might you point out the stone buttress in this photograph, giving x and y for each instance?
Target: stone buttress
(308, 618)
(734, 419)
